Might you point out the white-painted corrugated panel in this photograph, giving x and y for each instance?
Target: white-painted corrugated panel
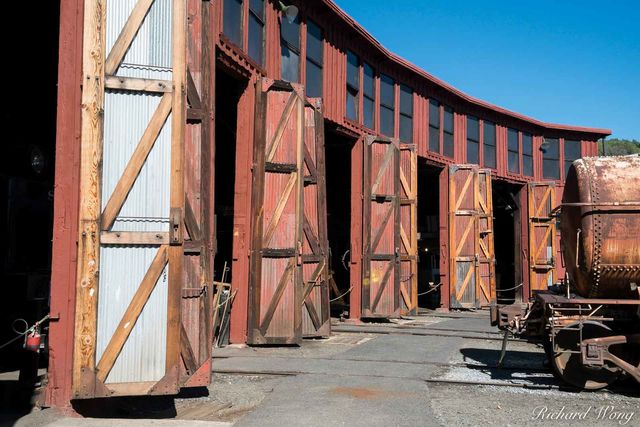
(126, 117)
(144, 354)
(150, 53)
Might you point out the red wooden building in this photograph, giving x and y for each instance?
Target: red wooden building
(298, 151)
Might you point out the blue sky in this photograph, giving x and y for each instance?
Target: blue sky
(562, 61)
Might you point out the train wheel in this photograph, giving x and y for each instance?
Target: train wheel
(567, 360)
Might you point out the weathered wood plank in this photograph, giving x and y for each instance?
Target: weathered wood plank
(134, 238)
(176, 197)
(134, 84)
(87, 289)
(277, 137)
(277, 213)
(277, 295)
(186, 351)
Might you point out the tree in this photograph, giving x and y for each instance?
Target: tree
(619, 147)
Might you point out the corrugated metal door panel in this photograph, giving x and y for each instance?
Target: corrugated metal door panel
(275, 285)
(542, 235)
(463, 235)
(486, 289)
(127, 338)
(316, 320)
(381, 272)
(408, 229)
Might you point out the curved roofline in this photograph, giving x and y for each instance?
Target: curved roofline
(477, 102)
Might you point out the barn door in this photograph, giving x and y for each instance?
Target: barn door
(464, 235)
(381, 279)
(196, 329)
(130, 249)
(316, 321)
(542, 232)
(275, 283)
(408, 229)
(486, 289)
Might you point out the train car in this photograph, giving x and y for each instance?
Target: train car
(590, 321)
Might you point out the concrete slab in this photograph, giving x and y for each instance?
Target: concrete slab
(321, 400)
(404, 348)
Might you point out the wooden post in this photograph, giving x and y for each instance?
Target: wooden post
(178, 121)
(84, 353)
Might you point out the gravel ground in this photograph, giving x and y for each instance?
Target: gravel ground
(458, 405)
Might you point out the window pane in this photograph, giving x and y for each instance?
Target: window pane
(448, 145)
(353, 70)
(550, 158)
(232, 21)
(367, 110)
(448, 120)
(527, 165)
(406, 100)
(527, 144)
(386, 121)
(434, 113)
(290, 32)
(255, 39)
(473, 128)
(489, 134)
(314, 42)
(386, 91)
(473, 152)
(551, 169)
(434, 139)
(257, 7)
(369, 86)
(490, 156)
(571, 150)
(514, 162)
(512, 138)
(290, 61)
(314, 80)
(406, 128)
(352, 105)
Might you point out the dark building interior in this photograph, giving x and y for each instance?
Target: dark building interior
(228, 92)
(28, 120)
(429, 235)
(338, 166)
(507, 240)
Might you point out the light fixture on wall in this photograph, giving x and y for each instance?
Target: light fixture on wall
(290, 12)
(544, 146)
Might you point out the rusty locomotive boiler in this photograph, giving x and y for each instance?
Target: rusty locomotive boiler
(600, 213)
(590, 321)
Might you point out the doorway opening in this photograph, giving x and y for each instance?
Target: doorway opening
(507, 241)
(228, 93)
(27, 169)
(338, 166)
(428, 235)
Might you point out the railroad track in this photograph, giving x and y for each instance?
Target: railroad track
(629, 391)
(409, 362)
(403, 330)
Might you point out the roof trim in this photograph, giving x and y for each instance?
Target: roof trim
(474, 101)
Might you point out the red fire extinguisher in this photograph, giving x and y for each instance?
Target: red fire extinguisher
(32, 340)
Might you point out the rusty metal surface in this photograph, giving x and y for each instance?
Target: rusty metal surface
(603, 260)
